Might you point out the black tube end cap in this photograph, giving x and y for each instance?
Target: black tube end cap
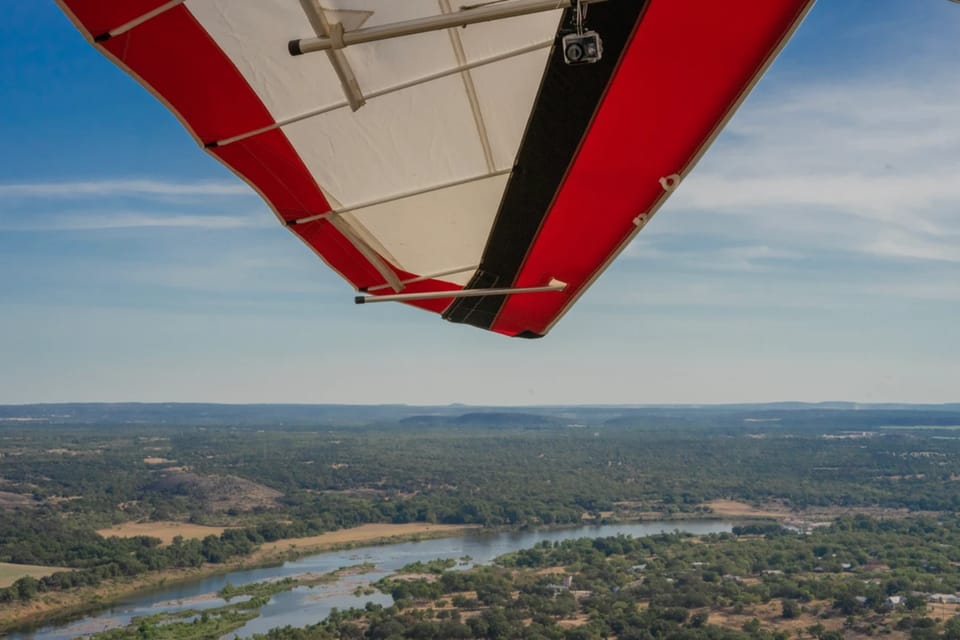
(529, 335)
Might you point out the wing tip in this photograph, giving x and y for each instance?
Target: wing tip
(529, 335)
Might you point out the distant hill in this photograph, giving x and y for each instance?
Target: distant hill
(842, 415)
(485, 419)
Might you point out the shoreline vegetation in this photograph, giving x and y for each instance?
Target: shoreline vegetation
(796, 584)
(63, 605)
(60, 606)
(859, 577)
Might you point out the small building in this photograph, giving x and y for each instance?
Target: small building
(943, 598)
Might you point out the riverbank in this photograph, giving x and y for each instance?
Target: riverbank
(52, 606)
(49, 608)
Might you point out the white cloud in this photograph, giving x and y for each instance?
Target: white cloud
(124, 187)
(867, 166)
(135, 220)
(748, 257)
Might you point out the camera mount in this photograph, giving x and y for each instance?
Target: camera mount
(582, 46)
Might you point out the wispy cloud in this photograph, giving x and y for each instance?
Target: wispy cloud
(900, 244)
(866, 166)
(135, 220)
(747, 257)
(123, 187)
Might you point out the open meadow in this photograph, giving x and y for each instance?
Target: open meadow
(10, 573)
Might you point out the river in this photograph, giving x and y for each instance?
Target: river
(302, 606)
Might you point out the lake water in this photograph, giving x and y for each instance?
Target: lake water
(303, 606)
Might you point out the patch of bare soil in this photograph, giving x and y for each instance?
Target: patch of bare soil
(409, 577)
(10, 501)
(770, 617)
(576, 621)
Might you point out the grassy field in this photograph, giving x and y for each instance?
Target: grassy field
(10, 573)
(165, 530)
(366, 533)
(736, 509)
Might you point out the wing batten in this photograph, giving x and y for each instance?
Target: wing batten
(468, 66)
(97, 18)
(400, 196)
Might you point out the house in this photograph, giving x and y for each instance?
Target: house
(943, 598)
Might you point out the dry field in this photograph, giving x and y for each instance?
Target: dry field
(733, 508)
(10, 573)
(365, 533)
(165, 530)
(770, 620)
(769, 617)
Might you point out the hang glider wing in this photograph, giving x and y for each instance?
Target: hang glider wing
(470, 170)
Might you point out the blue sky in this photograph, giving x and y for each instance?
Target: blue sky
(814, 254)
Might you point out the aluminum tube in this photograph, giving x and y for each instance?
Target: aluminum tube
(462, 293)
(434, 23)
